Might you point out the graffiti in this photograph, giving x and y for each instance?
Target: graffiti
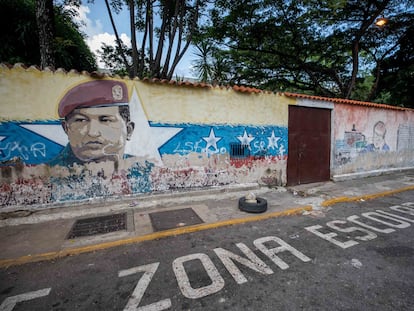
(88, 183)
(169, 179)
(80, 183)
(15, 149)
(380, 146)
(38, 149)
(25, 191)
(215, 140)
(356, 143)
(103, 141)
(188, 147)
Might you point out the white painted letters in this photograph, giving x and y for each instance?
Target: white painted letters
(377, 217)
(138, 293)
(253, 262)
(284, 247)
(396, 216)
(369, 235)
(330, 237)
(404, 209)
(184, 283)
(354, 218)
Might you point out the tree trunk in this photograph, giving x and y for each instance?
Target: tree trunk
(45, 25)
(134, 69)
(118, 40)
(355, 67)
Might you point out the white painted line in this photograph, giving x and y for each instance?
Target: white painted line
(10, 302)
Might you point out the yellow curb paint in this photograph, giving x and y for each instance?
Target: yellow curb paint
(173, 232)
(153, 236)
(366, 197)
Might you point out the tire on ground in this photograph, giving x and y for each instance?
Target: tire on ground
(259, 207)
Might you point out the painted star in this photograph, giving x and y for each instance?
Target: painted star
(53, 132)
(245, 139)
(146, 139)
(273, 141)
(212, 140)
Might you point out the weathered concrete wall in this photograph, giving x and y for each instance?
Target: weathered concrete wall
(184, 137)
(371, 138)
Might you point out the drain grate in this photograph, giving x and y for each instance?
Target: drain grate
(174, 219)
(98, 225)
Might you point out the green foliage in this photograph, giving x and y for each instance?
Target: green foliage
(18, 36)
(20, 41)
(72, 51)
(163, 31)
(111, 56)
(329, 48)
(397, 74)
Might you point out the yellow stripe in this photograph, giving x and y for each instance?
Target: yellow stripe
(365, 197)
(153, 236)
(173, 232)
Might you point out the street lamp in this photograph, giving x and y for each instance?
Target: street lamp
(382, 21)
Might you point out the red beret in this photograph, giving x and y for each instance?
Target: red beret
(96, 93)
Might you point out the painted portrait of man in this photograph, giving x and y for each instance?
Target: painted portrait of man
(378, 138)
(96, 118)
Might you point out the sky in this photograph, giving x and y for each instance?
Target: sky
(95, 23)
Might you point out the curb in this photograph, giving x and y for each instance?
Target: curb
(145, 201)
(366, 197)
(5, 263)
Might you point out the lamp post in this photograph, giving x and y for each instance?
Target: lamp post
(381, 22)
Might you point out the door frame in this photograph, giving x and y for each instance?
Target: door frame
(325, 105)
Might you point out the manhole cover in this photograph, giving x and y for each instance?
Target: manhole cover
(98, 225)
(174, 219)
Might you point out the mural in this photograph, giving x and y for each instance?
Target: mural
(96, 119)
(375, 139)
(69, 137)
(102, 143)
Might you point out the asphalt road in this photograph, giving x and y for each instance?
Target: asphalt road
(348, 257)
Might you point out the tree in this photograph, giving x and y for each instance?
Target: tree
(46, 31)
(165, 30)
(396, 81)
(20, 38)
(210, 64)
(203, 65)
(324, 48)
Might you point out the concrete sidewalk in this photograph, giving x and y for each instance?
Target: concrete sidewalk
(45, 234)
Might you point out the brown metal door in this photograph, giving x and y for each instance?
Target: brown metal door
(309, 145)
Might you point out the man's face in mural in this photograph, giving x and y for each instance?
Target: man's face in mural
(98, 133)
(379, 135)
(378, 141)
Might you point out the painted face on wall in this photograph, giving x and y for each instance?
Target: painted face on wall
(379, 135)
(97, 133)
